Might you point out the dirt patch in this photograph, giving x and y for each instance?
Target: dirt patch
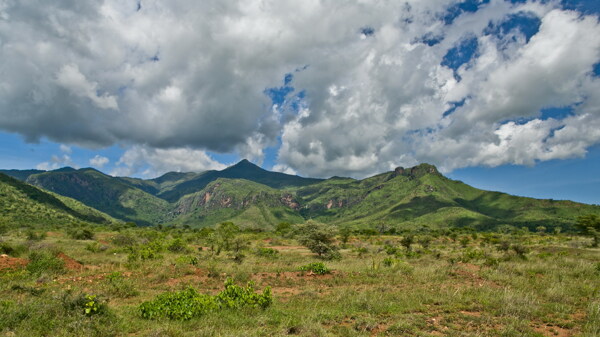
(552, 330)
(284, 248)
(70, 263)
(7, 262)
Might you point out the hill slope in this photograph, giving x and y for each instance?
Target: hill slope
(251, 196)
(105, 193)
(177, 186)
(25, 205)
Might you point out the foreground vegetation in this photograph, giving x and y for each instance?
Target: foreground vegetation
(184, 282)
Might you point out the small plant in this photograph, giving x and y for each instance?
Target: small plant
(44, 262)
(188, 304)
(177, 246)
(81, 234)
(124, 240)
(266, 252)
(91, 306)
(35, 236)
(520, 250)
(407, 241)
(119, 286)
(388, 261)
(186, 260)
(318, 268)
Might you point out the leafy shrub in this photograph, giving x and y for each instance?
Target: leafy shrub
(148, 251)
(12, 250)
(389, 261)
(177, 246)
(186, 259)
(35, 236)
(472, 254)
(81, 234)
(318, 268)
(44, 262)
(119, 286)
(391, 250)
(266, 252)
(188, 304)
(318, 238)
(520, 250)
(124, 240)
(95, 247)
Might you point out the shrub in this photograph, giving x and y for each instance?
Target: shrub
(35, 236)
(186, 259)
(124, 239)
(407, 241)
(266, 252)
(177, 246)
(81, 234)
(12, 250)
(44, 262)
(188, 304)
(388, 261)
(318, 268)
(318, 238)
(119, 286)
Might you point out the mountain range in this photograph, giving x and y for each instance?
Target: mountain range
(253, 197)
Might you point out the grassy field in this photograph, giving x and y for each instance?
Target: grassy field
(445, 285)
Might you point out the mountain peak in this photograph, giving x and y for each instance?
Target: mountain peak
(245, 163)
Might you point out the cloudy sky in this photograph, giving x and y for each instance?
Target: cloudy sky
(500, 94)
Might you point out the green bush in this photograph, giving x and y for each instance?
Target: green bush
(12, 250)
(119, 286)
(186, 259)
(44, 262)
(177, 246)
(318, 268)
(81, 234)
(124, 240)
(188, 304)
(35, 236)
(266, 252)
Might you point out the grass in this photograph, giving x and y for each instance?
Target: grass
(442, 290)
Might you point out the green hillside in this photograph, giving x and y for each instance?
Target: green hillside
(247, 203)
(25, 205)
(422, 196)
(105, 193)
(253, 197)
(242, 170)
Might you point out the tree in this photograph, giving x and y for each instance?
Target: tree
(407, 241)
(318, 238)
(589, 225)
(223, 236)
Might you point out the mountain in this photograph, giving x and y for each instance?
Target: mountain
(24, 205)
(421, 196)
(105, 193)
(253, 197)
(245, 202)
(179, 185)
(21, 174)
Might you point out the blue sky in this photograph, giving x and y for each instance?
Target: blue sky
(499, 94)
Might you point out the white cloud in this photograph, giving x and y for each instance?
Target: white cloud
(65, 149)
(183, 77)
(99, 161)
(150, 162)
(56, 162)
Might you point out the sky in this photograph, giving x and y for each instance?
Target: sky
(501, 94)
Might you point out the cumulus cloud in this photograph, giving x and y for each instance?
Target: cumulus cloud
(153, 162)
(56, 162)
(369, 88)
(99, 161)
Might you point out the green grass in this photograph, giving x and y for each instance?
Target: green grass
(444, 289)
